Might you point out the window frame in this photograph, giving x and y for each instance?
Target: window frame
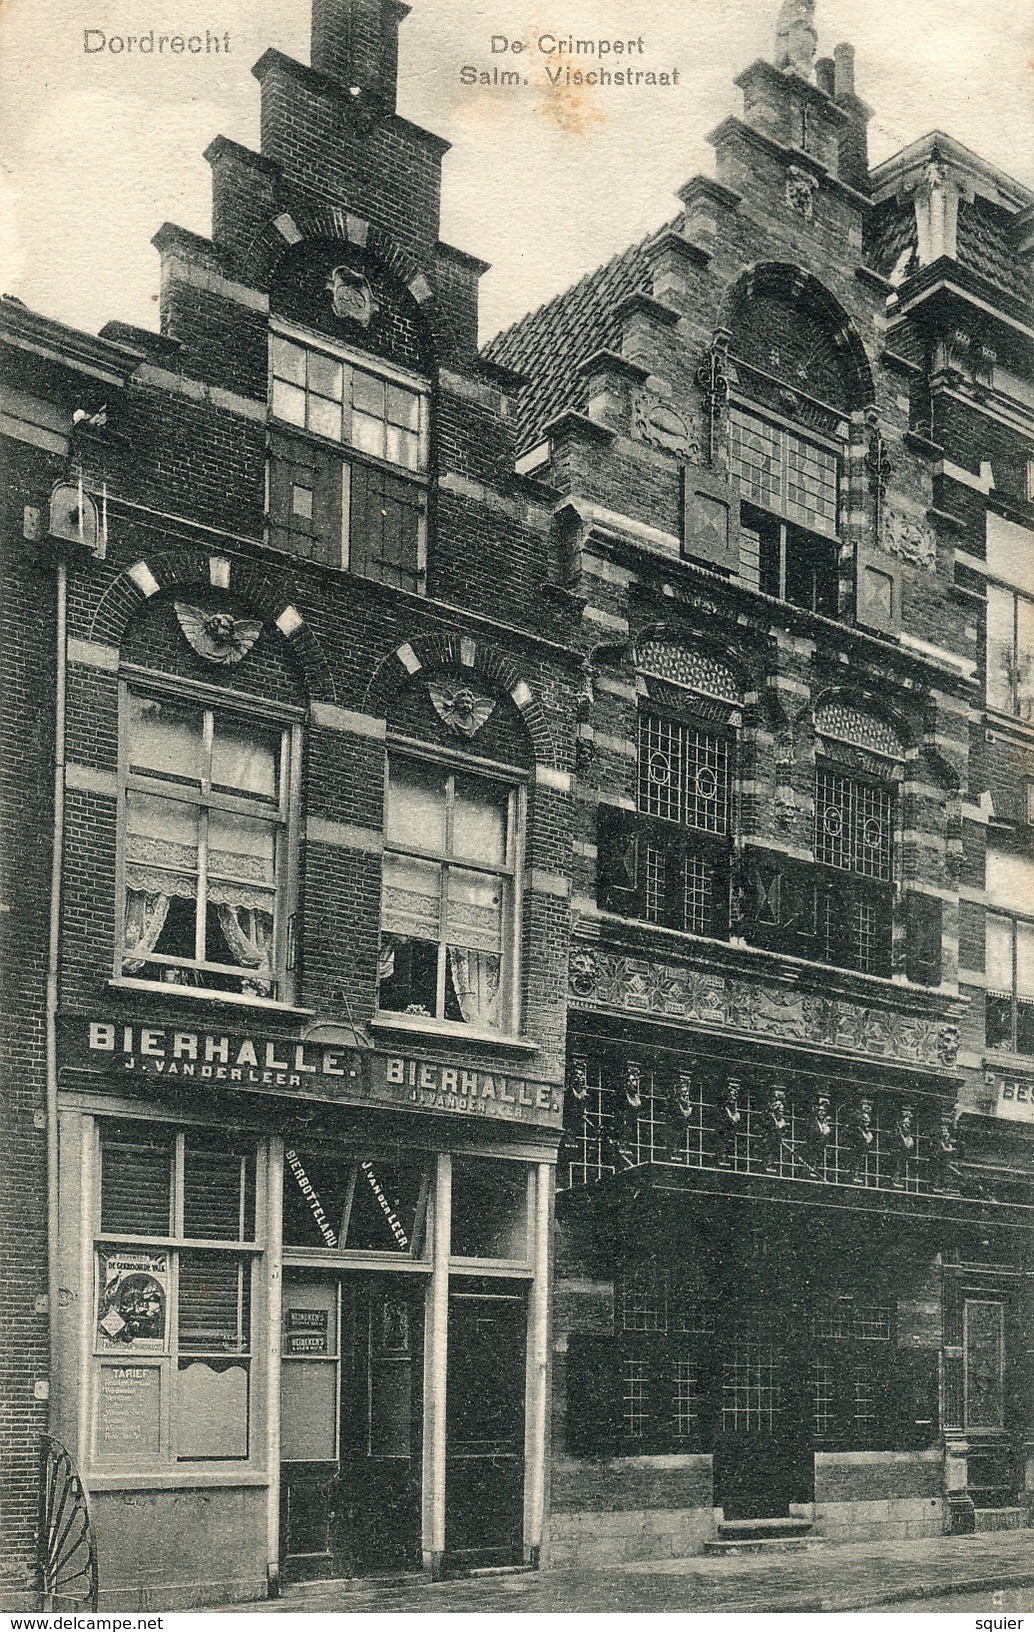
(247, 1252)
(335, 460)
(1014, 921)
(134, 681)
(511, 938)
(1012, 713)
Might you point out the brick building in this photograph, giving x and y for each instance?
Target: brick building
(400, 732)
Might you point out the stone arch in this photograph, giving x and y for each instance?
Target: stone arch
(781, 280)
(204, 570)
(428, 653)
(331, 223)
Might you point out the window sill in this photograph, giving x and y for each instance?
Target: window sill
(177, 1478)
(199, 994)
(422, 1025)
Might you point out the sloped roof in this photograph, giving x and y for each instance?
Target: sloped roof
(548, 345)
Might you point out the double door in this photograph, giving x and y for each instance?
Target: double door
(353, 1380)
(763, 1459)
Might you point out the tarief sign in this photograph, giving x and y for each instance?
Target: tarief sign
(354, 1076)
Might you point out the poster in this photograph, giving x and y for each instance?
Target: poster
(133, 1303)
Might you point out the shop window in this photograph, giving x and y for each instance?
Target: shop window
(341, 1204)
(670, 864)
(448, 913)
(365, 512)
(172, 1333)
(489, 1209)
(206, 823)
(1009, 1004)
(789, 488)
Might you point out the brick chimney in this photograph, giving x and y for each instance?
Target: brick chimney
(356, 43)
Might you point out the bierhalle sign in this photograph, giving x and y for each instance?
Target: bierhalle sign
(259, 1064)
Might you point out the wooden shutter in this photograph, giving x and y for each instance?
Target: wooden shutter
(710, 526)
(593, 1395)
(619, 886)
(313, 528)
(385, 525)
(877, 592)
(923, 915)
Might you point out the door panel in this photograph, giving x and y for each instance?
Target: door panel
(763, 1459)
(351, 1413)
(484, 1478)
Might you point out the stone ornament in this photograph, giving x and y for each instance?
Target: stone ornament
(351, 296)
(459, 706)
(578, 1080)
(910, 539)
(684, 666)
(800, 192)
(796, 37)
(662, 426)
(218, 637)
(633, 1085)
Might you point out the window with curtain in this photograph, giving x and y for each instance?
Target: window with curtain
(205, 808)
(1010, 652)
(176, 1246)
(1009, 962)
(448, 925)
(365, 511)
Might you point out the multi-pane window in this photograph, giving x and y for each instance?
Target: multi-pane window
(447, 911)
(789, 515)
(332, 397)
(781, 472)
(1009, 962)
(175, 1253)
(206, 796)
(365, 508)
(679, 854)
(853, 835)
(853, 825)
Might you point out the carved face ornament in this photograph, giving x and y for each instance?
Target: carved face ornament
(217, 636)
(462, 709)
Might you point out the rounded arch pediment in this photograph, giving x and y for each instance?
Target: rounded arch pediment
(793, 344)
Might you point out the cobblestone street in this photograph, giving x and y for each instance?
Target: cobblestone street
(819, 1578)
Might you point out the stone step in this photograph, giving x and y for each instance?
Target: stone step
(762, 1536)
(1001, 1518)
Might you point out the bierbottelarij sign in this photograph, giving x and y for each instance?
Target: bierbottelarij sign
(260, 1064)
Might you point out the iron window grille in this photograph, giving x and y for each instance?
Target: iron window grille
(853, 825)
(449, 927)
(176, 1248)
(366, 511)
(208, 804)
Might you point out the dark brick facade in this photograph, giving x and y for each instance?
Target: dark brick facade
(814, 368)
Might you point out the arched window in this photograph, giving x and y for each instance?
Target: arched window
(350, 406)
(794, 385)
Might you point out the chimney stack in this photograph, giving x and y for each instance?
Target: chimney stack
(854, 140)
(356, 43)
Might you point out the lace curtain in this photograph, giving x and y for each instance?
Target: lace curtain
(475, 978)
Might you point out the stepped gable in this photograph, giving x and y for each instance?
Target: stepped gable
(549, 344)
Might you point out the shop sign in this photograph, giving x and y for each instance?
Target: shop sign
(1015, 1098)
(353, 1076)
(307, 1331)
(129, 1412)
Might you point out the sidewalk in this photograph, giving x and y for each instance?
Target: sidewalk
(822, 1578)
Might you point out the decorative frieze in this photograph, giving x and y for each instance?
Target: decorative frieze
(681, 993)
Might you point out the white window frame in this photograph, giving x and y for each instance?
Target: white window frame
(512, 914)
(249, 1252)
(351, 359)
(142, 682)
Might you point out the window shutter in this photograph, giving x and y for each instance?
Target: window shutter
(384, 528)
(877, 592)
(771, 902)
(923, 914)
(593, 1395)
(305, 500)
(710, 525)
(619, 887)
